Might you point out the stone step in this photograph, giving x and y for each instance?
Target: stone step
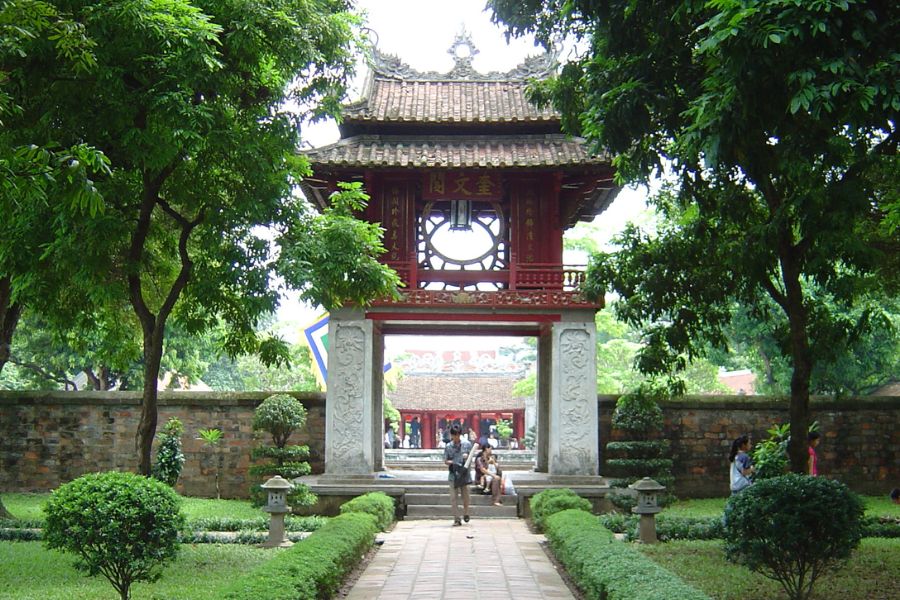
(444, 511)
(475, 498)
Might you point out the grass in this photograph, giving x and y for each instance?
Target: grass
(31, 572)
(29, 506)
(701, 508)
(870, 573)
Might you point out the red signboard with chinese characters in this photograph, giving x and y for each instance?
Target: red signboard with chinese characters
(462, 185)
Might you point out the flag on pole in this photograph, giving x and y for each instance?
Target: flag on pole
(316, 337)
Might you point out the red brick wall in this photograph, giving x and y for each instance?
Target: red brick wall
(50, 438)
(860, 438)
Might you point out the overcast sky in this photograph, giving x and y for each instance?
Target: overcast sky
(420, 32)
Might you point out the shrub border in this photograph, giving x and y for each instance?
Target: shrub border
(604, 568)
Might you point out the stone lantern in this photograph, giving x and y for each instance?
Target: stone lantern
(647, 507)
(278, 488)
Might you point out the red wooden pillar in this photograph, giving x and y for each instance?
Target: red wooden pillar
(402, 426)
(428, 430)
(519, 425)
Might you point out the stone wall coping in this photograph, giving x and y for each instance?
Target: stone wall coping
(728, 402)
(742, 402)
(210, 399)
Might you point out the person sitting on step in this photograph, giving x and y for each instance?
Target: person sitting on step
(489, 480)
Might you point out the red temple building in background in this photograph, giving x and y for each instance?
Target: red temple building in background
(474, 187)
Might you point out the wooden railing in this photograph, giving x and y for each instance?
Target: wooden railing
(532, 276)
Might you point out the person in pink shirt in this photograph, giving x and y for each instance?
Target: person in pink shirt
(813, 463)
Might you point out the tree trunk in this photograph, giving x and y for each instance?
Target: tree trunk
(154, 326)
(801, 357)
(9, 318)
(153, 349)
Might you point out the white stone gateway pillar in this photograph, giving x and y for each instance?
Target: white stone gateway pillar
(573, 436)
(353, 423)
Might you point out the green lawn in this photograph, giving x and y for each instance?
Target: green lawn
(28, 506)
(31, 572)
(879, 506)
(870, 574)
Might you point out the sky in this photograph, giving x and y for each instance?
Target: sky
(420, 33)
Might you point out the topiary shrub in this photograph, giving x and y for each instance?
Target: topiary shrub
(377, 504)
(792, 529)
(279, 416)
(549, 502)
(169, 457)
(639, 417)
(638, 413)
(119, 525)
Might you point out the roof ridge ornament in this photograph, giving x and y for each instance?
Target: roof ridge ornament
(463, 50)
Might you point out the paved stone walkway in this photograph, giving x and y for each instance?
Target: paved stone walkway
(486, 558)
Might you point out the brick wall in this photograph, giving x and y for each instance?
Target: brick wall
(860, 438)
(49, 438)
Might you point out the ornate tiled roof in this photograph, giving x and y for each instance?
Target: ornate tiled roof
(396, 101)
(397, 93)
(470, 151)
(456, 392)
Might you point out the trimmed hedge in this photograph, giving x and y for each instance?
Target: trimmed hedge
(377, 504)
(638, 467)
(261, 523)
(604, 568)
(550, 502)
(639, 448)
(313, 568)
(667, 528)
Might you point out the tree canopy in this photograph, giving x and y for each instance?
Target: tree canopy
(778, 120)
(191, 104)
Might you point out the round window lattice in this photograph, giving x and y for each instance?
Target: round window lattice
(484, 248)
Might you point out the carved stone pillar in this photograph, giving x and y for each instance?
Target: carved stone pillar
(352, 419)
(573, 437)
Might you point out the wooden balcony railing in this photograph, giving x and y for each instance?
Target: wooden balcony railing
(532, 276)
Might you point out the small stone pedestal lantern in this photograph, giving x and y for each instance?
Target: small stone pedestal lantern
(647, 507)
(278, 488)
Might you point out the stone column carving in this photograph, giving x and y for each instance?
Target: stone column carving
(349, 401)
(573, 438)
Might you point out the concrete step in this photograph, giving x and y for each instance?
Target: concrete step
(476, 499)
(444, 511)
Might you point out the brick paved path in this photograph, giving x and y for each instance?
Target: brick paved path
(486, 558)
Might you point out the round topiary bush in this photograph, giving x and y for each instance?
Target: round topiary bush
(119, 525)
(792, 529)
(550, 502)
(279, 415)
(638, 412)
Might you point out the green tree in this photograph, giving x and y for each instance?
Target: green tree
(39, 178)
(778, 121)
(861, 365)
(188, 101)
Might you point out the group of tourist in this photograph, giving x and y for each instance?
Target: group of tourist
(742, 469)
